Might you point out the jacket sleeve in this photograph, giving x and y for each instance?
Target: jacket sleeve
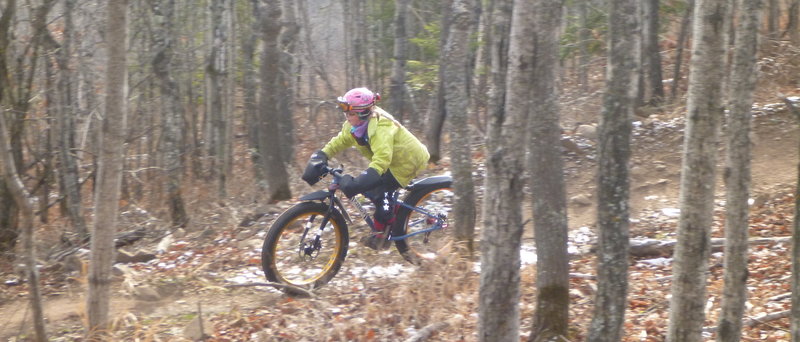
(340, 142)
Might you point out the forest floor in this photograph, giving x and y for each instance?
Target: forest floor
(378, 297)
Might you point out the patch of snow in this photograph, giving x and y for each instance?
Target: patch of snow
(660, 262)
(671, 212)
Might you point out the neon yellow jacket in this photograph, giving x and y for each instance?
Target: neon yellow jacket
(391, 146)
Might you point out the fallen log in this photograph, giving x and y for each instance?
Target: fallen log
(645, 247)
(426, 332)
(750, 322)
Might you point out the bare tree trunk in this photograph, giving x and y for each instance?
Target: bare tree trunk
(704, 113)
(551, 318)
(682, 37)
(109, 174)
(583, 45)
(20, 195)
(793, 26)
(250, 88)
(289, 66)
(773, 17)
(498, 311)
(651, 53)
(480, 70)
(613, 188)
(277, 179)
(65, 123)
(795, 317)
(172, 133)
(737, 171)
(456, 87)
(398, 79)
(217, 68)
(499, 30)
(438, 116)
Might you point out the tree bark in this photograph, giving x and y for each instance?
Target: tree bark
(651, 53)
(109, 174)
(499, 292)
(172, 120)
(737, 171)
(550, 319)
(456, 87)
(583, 45)
(613, 189)
(795, 310)
(682, 37)
(289, 69)
(9, 212)
(704, 113)
(250, 91)
(793, 26)
(65, 123)
(277, 179)
(28, 250)
(773, 17)
(438, 116)
(397, 84)
(217, 69)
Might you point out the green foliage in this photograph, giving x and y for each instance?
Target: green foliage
(597, 26)
(428, 41)
(423, 72)
(422, 76)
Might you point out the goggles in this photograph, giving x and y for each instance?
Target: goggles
(346, 107)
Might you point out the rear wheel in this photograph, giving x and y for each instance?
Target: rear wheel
(297, 252)
(436, 199)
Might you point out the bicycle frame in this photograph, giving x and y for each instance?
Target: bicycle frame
(440, 221)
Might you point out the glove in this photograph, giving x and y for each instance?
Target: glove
(365, 181)
(315, 168)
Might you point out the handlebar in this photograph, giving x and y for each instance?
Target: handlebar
(336, 172)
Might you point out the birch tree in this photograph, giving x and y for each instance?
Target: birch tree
(613, 189)
(550, 320)
(109, 174)
(703, 115)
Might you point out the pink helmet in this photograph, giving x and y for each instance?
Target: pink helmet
(358, 100)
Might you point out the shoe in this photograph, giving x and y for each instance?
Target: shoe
(375, 241)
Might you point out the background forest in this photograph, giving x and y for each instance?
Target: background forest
(147, 144)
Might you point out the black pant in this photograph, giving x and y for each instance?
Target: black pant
(378, 195)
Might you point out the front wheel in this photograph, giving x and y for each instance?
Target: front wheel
(435, 199)
(304, 249)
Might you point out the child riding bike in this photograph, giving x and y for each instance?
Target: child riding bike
(394, 153)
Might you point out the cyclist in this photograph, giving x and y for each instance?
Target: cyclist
(395, 157)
